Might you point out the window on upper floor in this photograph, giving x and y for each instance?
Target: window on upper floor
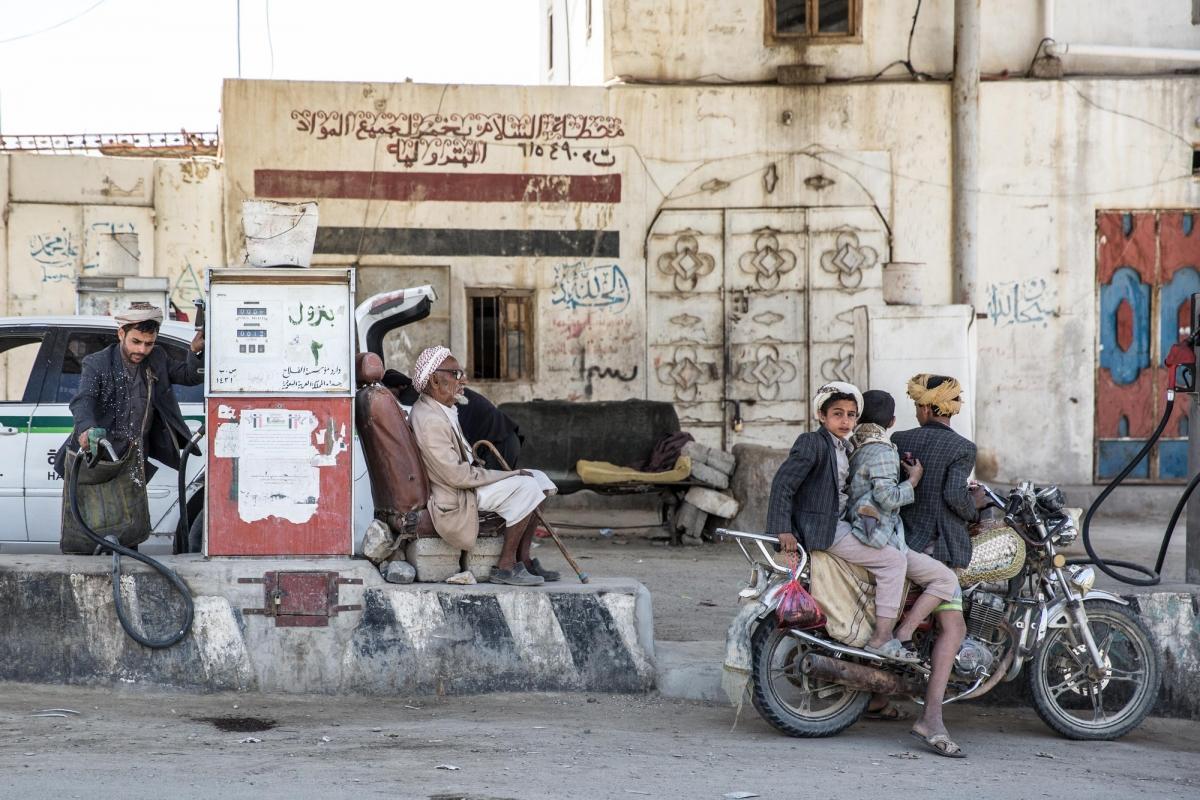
(822, 20)
(550, 40)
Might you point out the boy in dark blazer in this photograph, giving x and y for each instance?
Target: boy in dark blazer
(808, 493)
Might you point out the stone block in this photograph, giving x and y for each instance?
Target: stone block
(433, 559)
(706, 474)
(398, 571)
(712, 502)
(710, 456)
(482, 559)
(751, 484)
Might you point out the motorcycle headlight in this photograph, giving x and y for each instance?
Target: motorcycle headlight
(1051, 499)
(1083, 577)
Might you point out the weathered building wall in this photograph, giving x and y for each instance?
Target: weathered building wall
(72, 216)
(1054, 154)
(715, 40)
(690, 178)
(651, 202)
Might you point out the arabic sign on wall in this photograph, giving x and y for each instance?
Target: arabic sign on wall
(279, 338)
(462, 139)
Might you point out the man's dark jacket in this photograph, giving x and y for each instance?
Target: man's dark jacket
(103, 397)
(804, 494)
(943, 506)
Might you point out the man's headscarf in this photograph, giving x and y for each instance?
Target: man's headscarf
(946, 398)
(139, 312)
(837, 387)
(430, 359)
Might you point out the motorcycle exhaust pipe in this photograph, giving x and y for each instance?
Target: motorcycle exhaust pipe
(853, 676)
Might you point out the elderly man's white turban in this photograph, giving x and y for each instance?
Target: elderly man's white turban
(430, 359)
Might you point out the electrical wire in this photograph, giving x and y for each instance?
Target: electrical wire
(1153, 576)
(56, 25)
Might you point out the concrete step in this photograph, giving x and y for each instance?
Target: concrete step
(60, 626)
(691, 670)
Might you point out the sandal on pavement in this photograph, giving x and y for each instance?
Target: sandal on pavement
(941, 744)
(890, 712)
(894, 650)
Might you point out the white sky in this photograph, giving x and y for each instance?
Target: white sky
(129, 66)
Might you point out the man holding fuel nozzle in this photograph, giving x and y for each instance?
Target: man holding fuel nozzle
(125, 397)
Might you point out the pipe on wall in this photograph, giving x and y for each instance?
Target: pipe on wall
(965, 136)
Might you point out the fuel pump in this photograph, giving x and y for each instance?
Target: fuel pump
(1181, 360)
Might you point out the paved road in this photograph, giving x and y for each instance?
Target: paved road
(137, 744)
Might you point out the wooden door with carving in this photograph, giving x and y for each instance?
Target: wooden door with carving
(1147, 268)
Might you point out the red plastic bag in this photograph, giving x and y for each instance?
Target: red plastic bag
(797, 608)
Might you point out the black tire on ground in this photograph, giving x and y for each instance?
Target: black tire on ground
(785, 698)
(195, 541)
(1076, 705)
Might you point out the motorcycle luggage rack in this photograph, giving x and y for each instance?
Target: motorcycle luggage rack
(761, 540)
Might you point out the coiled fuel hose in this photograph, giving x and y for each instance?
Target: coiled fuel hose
(118, 550)
(1109, 566)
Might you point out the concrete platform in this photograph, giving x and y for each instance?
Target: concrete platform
(58, 625)
(693, 670)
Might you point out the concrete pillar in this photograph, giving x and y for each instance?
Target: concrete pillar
(964, 102)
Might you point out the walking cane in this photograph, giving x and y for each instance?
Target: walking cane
(583, 576)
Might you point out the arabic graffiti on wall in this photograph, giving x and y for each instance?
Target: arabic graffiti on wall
(1020, 302)
(445, 139)
(580, 286)
(56, 253)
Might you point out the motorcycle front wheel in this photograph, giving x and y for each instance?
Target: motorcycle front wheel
(791, 701)
(1081, 702)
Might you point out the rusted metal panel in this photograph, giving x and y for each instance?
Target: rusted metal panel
(301, 599)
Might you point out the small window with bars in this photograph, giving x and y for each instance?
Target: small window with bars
(500, 335)
(831, 20)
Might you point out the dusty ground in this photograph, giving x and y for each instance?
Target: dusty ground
(695, 588)
(141, 745)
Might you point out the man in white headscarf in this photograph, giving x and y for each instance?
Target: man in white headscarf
(459, 488)
(125, 395)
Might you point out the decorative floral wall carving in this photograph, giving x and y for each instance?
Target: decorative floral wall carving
(849, 260)
(768, 262)
(686, 265)
(767, 372)
(686, 373)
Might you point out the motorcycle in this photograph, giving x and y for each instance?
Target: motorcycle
(1093, 669)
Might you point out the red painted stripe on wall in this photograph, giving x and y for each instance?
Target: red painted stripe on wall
(437, 186)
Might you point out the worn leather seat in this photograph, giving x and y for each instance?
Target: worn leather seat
(399, 484)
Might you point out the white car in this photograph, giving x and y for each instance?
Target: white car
(40, 363)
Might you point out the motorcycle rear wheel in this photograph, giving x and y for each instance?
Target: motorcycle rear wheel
(790, 701)
(1066, 691)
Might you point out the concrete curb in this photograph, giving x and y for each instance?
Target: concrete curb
(693, 670)
(60, 626)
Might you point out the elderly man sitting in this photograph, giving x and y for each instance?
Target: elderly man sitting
(459, 489)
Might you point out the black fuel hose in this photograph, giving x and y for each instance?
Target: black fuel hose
(1153, 576)
(119, 550)
(185, 524)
